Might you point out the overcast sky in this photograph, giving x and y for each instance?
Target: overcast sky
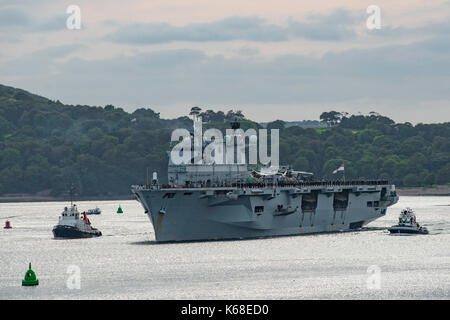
(272, 59)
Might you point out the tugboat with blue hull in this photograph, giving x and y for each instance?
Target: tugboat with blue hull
(94, 211)
(73, 225)
(407, 224)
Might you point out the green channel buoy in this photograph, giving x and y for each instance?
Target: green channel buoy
(119, 210)
(30, 278)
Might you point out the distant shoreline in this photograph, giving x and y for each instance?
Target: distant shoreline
(416, 191)
(437, 191)
(37, 198)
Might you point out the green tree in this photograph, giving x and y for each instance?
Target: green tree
(331, 118)
(10, 157)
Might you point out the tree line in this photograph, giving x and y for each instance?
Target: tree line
(45, 146)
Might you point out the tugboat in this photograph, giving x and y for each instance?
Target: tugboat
(407, 224)
(73, 225)
(94, 211)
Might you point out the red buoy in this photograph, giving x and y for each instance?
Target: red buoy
(7, 225)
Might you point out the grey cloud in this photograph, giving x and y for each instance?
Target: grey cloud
(57, 51)
(338, 16)
(320, 32)
(246, 51)
(431, 29)
(54, 23)
(13, 17)
(407, 75)
(19, 21)
(110, 23)
(40, 63)
(233, 28)
(336, 26)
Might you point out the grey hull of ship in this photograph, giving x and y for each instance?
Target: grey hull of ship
(212, 214)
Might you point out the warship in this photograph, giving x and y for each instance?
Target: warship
(235, 201)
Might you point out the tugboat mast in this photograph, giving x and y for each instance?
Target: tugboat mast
(71, 190)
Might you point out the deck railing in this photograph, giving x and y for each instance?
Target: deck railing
(300, 184)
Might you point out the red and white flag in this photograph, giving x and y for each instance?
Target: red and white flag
(341, 168)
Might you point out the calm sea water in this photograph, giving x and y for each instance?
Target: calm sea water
(125, 263)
